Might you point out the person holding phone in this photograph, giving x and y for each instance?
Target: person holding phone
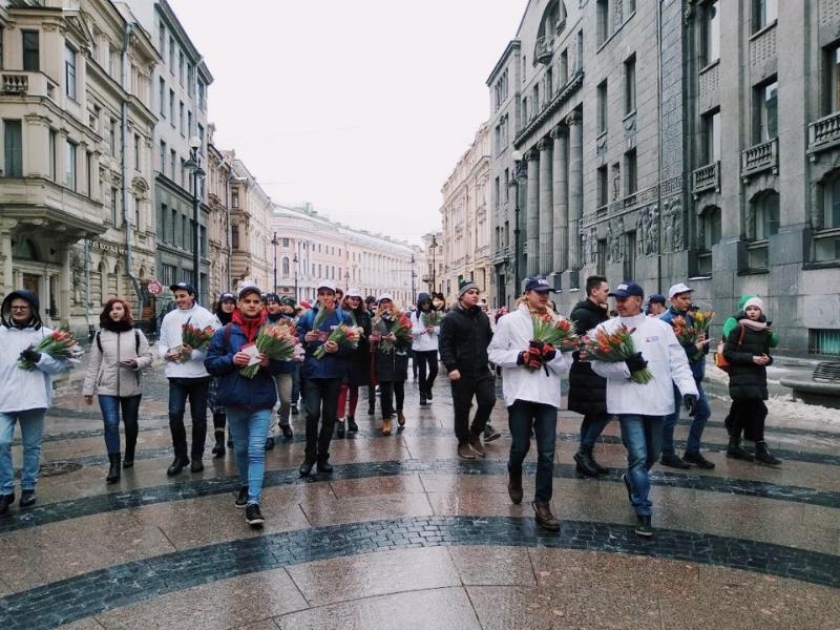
(118, 355)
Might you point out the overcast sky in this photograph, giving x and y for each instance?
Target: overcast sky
(362, 107)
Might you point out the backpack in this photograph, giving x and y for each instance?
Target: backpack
(136, 341)
(720, 360)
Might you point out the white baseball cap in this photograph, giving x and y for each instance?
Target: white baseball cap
(677, 289)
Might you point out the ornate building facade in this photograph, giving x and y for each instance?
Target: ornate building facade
(667, 142)
(251, 235)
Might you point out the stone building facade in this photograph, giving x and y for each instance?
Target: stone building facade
(465, 217)
(219, 234)
(250, 218)
(76, 220)
(674, 141)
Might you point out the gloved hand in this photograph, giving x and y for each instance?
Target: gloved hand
(548, 352)
(530, 358)
(636, 363)
(31, 355)
(690, 402)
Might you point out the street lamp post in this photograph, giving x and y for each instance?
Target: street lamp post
(413, 275)
(274, 243)
(295, 262)
(194, 164)
(517, 165)
(434, 263)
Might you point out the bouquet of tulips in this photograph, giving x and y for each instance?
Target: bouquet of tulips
(278, 341)
(690, 335)
(614, 348)
(401, 330)
(703, 320)
(60, 344)
(346, 335)
(431, 319)
(194, 337)
(559, 332)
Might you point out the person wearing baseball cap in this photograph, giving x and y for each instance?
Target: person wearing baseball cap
(532, 373)
(656, 305)
(695, 351)
(188, 378)
(640, 407)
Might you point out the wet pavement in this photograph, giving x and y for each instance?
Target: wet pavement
(403, 534)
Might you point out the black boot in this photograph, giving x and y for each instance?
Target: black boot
(764, 456)
(178, 464)
(339, 431)
(352, 427)
(128, 460)
(585, 463)
(515, 486)
(114, 469)
(219, 449)
(324, 465)
(735, 451)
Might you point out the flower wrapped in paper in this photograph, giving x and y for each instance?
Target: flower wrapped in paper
(60, 344)
(614, 348)
(278, 341)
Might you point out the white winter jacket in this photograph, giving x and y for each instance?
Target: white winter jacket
(20, 389)
(105, 376)
(170, 337)
(513, 332)
(423, 341)
(667, 362)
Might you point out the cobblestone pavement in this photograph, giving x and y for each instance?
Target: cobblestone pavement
(403, 534)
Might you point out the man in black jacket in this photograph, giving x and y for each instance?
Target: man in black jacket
(464, 336)
(587, 390)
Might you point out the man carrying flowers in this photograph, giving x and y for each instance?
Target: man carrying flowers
(639, 389)
(528, 345)
(322, 376)
(695, 342)
(25, 392)
(188, 379)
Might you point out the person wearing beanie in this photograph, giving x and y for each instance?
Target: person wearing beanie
(25, 395)
(465, 334)
(747, 350)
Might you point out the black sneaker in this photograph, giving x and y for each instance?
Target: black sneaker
(27, 498)
(242, 497)
(253, 516)
(288, 434)
(269, 443)
(5, 501)
(698, 460)
(674, 461)
(643, 527)
(490, 433)
(429, 396)
(295, 410)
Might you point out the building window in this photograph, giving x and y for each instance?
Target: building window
(137, 152)
(711, 137)
(711, 32)
(564, 67)
(603, 187)
(234, 198)
(70, 71)
(824, 341)
(831, 203)
(189, 124)
(202, 96)
(162, 157)
(630, 85)
(603, 105)
(181, 68)
(173, 163)
(162, 97)
(172, 55)
(711, 226)
(172, 107)
(631, 177)
(766, 215)
(190, 80)
(766, 111)
(112, 136)
(162, 39)
(114, 207)
(181, 118)
(53, 157)
(525, 110)
(603, 24)
(765, 12)
(164, 219)
(70, 166)
(13, 148)
(31, 51)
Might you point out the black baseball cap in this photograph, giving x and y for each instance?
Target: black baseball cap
(182, 286)
(626, 289)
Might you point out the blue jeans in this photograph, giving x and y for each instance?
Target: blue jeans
(197, 390)
(32, 432)
(591, 428)
(110, 406)
(249, 430)
(698, 423)
(522, 416)
(642, 437)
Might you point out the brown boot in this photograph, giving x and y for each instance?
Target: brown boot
(465, 452)
(386, 426)
(545, 519)
(515, 487)
(475, 442)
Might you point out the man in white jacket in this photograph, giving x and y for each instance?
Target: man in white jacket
(187, 377)
(641, 407)
(531, 374)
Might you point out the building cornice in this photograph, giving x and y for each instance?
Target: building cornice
(512, 46)
(574, 84)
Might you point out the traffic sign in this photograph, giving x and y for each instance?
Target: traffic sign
(154, 287)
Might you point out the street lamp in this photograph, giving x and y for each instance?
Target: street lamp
(517, 173)
(434, 263)
(194, 164)
(413, 275)
(274, 243)
(295, 262)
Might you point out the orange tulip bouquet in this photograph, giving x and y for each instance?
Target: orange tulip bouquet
(614, 348)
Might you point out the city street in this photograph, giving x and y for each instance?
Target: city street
(405, 535)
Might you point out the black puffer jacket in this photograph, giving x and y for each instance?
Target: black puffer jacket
(391, 365)
(464, 337)
(747, 380)
(359, 372)
(587, 390)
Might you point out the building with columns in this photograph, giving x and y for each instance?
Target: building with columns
(432, 276)
(465, 218)
(667, 142)
(76, 220)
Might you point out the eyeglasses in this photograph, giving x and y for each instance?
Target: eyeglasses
(20, 308)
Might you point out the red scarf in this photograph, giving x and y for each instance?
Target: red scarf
(249, 325)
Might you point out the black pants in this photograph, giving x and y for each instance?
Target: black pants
(747, 415)
(463, 390)
(196, 390)
(320, 398)
(428, 364)
(387, 392)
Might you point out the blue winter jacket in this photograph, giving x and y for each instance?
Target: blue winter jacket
(696, 361)
(333, 365)
(235, 390)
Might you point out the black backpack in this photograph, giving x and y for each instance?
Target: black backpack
(136, 341)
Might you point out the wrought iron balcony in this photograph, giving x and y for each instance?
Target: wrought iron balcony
(706, 178)
(760, 158)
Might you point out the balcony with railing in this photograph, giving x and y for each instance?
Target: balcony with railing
(25, 84)
(706, 178)
(823, 134)
(761, 157)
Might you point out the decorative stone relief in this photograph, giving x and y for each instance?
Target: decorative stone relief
(672, 226)
(593, 245)
(647, 232)
(615, 234)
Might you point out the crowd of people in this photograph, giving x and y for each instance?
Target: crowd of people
(328, 376)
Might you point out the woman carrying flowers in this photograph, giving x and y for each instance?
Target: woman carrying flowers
(119, 353)
(425, 326)
(224, 313)
(392, 339)
(359, 372)
(25, 394)
(248, 401)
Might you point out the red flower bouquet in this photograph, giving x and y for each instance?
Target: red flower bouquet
(401, 330)
(61, 344)
(558, 332)
(345, 335)
(279, 342)
(614, 348)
